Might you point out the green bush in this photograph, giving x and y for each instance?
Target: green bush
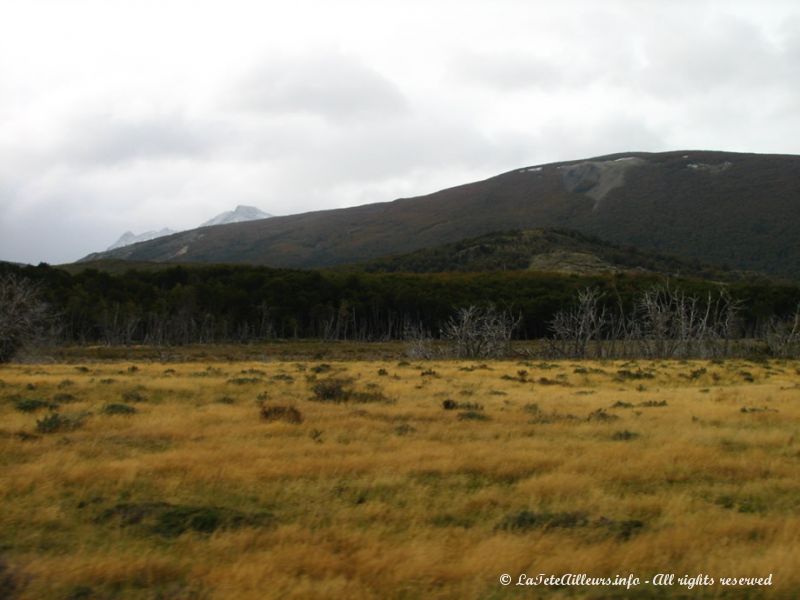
(34, 404)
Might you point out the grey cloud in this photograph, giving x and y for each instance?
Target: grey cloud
(728, 55)
(331, 86)
(617, 133)
(395, 148)
(108, 139)
(509, 71)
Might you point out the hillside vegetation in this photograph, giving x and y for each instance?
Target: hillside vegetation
(548, 250)
(725, 209)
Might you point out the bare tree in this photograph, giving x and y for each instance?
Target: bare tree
(665, 322)
(783, 335)
(419, 342)
(23, 315)
(674, 323)
(480, 332)
(575, 328)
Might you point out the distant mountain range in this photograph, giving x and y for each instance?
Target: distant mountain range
(740, 211)
(237, 215)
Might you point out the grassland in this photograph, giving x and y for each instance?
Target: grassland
(393, 479)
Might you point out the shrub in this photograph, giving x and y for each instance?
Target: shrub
(133, 396)
(623, 530)
(601, 415)
(624, 436)
(64, 398)
(472, 415)
(623, 374)
(252, 372)
(541, 418)
(55, 422)
(34, 404)
(621, 404)
(697, 373)
(118, 409)
(170, 520)
(653, 403)
(340, 390)
(289, 414)
(404, 429)
(453, 405)
(373, 396)
(526, 520)
(244, 380)
(10, 584)
(332, 390)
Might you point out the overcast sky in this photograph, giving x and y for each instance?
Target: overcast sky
(137, 115)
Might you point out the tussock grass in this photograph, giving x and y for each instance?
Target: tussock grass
(209, 490)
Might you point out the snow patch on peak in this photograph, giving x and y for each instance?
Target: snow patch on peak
(240, 214)
(128, 238)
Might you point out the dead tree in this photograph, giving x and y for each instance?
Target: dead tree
(675, 324)
(666, 322)
(480, 332)
(24, 317)
(419, 342)
(783, 336)
(576, 328)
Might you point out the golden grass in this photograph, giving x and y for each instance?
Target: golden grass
(687, 468)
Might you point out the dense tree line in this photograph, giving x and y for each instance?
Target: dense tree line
(207, 304)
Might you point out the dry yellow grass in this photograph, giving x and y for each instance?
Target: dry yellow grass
(601, 468)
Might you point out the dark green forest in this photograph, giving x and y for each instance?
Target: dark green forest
(224, 303)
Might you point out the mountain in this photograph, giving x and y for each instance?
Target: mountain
(725, 209)
(239, 215)
(552, 250)
(128, 238)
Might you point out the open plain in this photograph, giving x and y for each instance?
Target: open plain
(397, 478)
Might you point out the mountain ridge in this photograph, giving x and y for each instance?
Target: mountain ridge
(728, 209)
(128, 238)
(240, 214)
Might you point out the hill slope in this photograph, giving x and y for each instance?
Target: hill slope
(740, 210)
(553, 250)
